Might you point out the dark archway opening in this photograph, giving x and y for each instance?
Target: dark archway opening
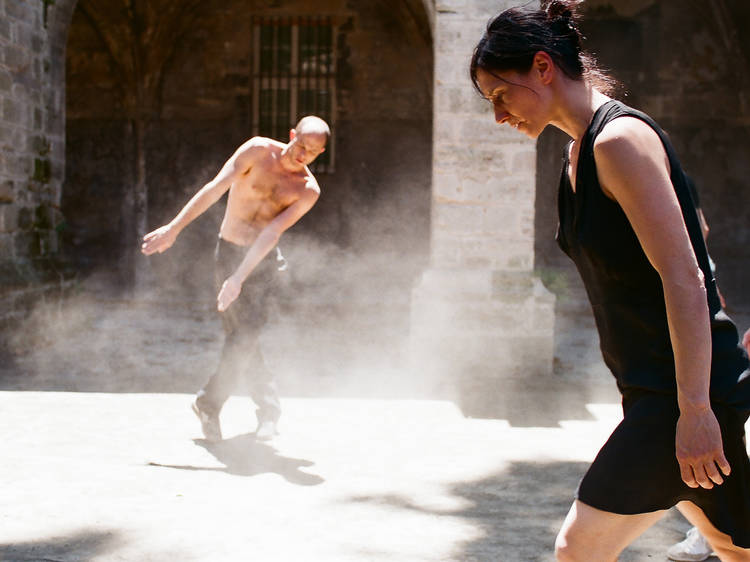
(198, 107)
(354, 258)
(678, 63)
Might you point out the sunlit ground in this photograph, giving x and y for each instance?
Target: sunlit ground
(121, 476)
(103, 460)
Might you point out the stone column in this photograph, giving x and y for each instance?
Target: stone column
(32, 152)
(482, 323)
(32, 133)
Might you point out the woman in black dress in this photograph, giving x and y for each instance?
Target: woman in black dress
(628, 222)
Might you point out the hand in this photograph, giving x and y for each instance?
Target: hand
(746, 341)
(159, 240)
(699, 449)
(229, 292)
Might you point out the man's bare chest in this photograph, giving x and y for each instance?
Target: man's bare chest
(271, 189)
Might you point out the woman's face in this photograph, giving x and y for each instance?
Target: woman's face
(516, 99)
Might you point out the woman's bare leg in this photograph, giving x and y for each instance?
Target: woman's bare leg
(592, 534)
(721, 543)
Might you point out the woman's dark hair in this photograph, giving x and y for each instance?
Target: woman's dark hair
(516, 35)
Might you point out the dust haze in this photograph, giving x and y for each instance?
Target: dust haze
(339, 323)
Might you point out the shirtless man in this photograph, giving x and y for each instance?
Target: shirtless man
(270, 188)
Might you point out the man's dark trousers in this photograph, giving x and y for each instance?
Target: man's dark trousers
(243, 321)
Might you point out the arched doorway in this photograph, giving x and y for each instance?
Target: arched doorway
(199, 107)
(708, 125)
(357, 253)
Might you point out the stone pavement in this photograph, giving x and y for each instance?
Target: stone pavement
(117, 476)
(102, 458)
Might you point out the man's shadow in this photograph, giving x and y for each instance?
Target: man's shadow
(244, 455)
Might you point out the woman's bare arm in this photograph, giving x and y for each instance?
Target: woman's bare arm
(634, 171)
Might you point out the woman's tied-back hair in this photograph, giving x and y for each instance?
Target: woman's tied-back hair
(516, 35)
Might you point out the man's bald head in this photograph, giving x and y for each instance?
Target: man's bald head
(312, 125)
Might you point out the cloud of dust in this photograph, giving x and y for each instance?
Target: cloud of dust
(339, 323)
(98, 340)
(343, 321)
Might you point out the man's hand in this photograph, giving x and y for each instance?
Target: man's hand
(230, 290)
(159, 240)
(746, 341)
(699, 449)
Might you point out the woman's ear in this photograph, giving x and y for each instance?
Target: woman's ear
(544, 67)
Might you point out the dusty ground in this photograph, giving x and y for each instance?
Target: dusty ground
(103, 461)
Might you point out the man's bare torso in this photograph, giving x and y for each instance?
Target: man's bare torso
(260, 195)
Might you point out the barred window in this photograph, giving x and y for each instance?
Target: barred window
(293, 76)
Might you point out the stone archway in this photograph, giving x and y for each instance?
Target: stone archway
(203, 96)
(386, 124)
(367, 238)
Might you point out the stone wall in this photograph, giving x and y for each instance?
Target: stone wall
(32, 137)
(423, 174)
(469, 216)
(377, 197)
(482, 323)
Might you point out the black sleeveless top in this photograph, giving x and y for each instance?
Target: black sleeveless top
(625, 290)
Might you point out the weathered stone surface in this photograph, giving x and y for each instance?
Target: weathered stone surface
(480, 304)
(8, 218)
(32, 88)
(6, 82)
(7, 194)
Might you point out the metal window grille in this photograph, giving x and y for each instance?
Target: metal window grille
(294, 70)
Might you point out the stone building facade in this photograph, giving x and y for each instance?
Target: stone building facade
(454, 214)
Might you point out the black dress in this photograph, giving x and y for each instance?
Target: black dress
(636, 470)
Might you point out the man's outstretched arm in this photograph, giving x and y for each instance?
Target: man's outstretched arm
(163, 237)
(264, 243)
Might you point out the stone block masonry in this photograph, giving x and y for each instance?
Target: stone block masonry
(32, 137)
(480, 318)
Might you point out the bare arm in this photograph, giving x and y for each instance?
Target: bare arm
(264, 243)
(239, 164)
(633, 169)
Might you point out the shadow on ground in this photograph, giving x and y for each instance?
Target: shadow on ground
(79, 547)
(521, 521)
(536, 403)
(244, 455)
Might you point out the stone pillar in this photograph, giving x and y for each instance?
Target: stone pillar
(481, 323)
(32, 149)
(32, 130)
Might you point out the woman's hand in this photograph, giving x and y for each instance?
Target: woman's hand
(699, 449)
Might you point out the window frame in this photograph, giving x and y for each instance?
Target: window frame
(295, 81)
